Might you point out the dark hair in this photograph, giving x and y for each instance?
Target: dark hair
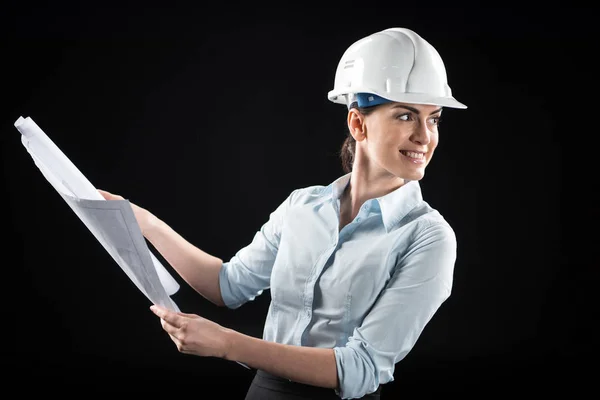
(349, 146)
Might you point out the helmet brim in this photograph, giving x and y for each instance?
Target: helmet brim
(339, 97)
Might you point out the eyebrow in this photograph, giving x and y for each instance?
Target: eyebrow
(415, 110)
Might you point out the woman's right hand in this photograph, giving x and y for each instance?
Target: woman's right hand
(143, 216)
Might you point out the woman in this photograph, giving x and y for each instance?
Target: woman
(357, 268)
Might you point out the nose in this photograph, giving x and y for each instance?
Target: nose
(421, 134)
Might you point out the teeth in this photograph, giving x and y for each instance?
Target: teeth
(413, 154)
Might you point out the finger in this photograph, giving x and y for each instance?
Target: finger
(179, 345)
(176, 341)
(168, 316)
(108, 195)
(170, 329)
(157, 307)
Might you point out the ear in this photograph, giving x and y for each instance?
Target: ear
(356, 125)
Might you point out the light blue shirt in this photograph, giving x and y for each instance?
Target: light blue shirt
(366, 291)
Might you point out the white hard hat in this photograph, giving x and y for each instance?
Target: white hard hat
(396, 64)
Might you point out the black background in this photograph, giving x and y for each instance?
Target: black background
(210, 115)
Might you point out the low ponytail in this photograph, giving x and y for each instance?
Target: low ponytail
(347, 153)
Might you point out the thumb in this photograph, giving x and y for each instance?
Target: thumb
(109, 196)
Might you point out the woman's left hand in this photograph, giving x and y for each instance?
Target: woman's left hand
(193, 334)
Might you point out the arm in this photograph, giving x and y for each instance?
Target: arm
(198, 336)
(308, 365)
(199, 269)
(421, 282)
(248, 272)
(230, 283)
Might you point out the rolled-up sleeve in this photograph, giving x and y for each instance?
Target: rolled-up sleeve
(421, 282)
(247, 274)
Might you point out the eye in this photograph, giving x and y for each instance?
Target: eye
(435, 120)
(404, 117)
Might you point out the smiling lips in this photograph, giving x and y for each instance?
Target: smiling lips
(414, 156)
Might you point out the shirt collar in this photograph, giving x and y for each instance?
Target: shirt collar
(338, 186)
(394, 206)
(398, 203)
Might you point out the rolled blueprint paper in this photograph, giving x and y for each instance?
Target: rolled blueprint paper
(39, 145)
(111, 222)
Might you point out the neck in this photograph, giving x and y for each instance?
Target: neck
(365, 184)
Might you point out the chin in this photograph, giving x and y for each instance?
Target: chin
(411, 176)
(417, 177)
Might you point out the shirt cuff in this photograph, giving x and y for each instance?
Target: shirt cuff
(357, 376)
(226, 292)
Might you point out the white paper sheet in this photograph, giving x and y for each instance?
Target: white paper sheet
(112, 222)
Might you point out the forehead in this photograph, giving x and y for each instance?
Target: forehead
(417, 108)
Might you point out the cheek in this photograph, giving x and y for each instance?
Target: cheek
(388, 145)
(434, 141)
